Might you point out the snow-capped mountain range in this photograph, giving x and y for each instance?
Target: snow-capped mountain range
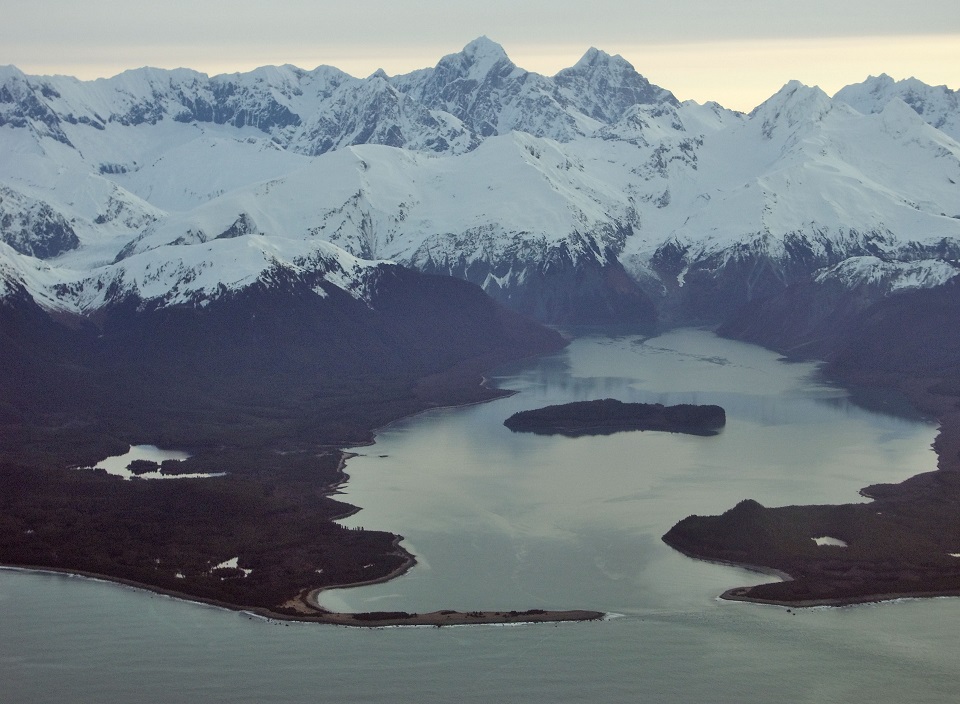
(590, 195)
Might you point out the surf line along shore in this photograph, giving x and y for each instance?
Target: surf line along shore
(307, 607)
(315, 614)
(300, 607)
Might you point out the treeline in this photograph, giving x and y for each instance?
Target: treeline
(263, 386)
(172, 533)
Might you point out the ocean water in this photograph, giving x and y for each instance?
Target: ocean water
(513, 521)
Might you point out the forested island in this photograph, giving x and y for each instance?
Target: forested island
(608, 416)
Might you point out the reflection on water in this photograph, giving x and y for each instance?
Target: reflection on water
(118, 464)
(503, 520)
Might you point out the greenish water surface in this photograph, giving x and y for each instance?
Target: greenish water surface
(514, 521)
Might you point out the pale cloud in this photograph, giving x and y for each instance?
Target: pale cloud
(232, 22)
(736, 52)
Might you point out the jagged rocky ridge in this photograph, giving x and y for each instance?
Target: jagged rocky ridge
(588, 196)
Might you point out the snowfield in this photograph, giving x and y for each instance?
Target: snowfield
(175, 187)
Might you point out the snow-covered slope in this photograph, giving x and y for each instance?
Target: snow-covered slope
(188, 275)
(476, 93)
(588, 195)
(939, 106)
(889, 276)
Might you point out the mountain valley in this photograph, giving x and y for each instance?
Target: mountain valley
(265, 267)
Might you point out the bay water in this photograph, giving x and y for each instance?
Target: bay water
(499, 520)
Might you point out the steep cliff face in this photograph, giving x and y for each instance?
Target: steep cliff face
(32, 227)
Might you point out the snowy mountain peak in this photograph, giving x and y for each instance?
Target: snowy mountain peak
(877, 84)
(794, 93)
(594, 57)
(593, 182)
(23, 104)
(897, 111)
(475, 62)
(483, 50)
(938, 106)
(139, 80)
(489, 94)
(605, 87)
(9, 72)
(14, 85)
(883, 84)
(791, 106)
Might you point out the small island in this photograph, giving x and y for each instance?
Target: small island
(608, 416)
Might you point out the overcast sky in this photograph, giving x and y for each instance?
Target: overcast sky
(737, 52)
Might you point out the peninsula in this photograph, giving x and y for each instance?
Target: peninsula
(608, 416)
(261, 389)
(905, 542)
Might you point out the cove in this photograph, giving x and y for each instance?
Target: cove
(499, 520)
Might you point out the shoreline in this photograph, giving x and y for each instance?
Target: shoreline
(497, 394)
(506, 393)
(318, 614)
(323, 617)
(916, 502)
(311, 599)
(283, 443)
(305, 607)
(741, 594)
(736, 594)
(759, 569)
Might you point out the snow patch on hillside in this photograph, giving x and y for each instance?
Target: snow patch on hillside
(180, 186)
(890, 276)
